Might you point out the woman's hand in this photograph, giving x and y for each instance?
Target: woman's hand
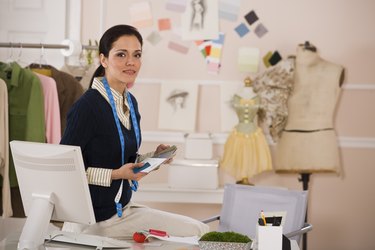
(126, 172)
(161, 147)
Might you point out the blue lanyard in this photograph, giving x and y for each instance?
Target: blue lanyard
(134, 185)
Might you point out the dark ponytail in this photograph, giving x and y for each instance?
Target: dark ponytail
(100, 71)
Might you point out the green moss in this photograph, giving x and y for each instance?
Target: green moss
(225, 237)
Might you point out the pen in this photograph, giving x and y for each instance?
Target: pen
(263, 218)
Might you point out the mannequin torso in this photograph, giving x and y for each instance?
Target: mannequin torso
(308, 143)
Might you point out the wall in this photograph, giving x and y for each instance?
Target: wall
(340, 207)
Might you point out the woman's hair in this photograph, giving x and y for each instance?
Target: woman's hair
(111, 36)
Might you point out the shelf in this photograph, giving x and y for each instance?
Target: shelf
(160, 192)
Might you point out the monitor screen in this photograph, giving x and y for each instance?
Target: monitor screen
(53, 185)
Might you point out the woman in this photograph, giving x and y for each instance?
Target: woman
(104, 122)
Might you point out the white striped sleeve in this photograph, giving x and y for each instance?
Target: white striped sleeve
(99, 176)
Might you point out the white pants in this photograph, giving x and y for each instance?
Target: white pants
(138, 217)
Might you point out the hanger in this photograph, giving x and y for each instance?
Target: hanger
(18, 59)
(41, 66)
(10, 57)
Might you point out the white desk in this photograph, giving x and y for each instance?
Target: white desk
(10, 230)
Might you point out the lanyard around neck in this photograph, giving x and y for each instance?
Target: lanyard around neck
(134, 185)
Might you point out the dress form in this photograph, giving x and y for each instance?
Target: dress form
(308, 143)
(246, 152)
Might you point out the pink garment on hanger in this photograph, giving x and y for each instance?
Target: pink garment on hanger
(51, 109)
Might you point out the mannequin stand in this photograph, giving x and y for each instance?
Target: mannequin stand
(305, 178)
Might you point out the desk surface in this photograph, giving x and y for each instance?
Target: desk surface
(10, 243)
(10, 231)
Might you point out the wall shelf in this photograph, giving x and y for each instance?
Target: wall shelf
(161, 192)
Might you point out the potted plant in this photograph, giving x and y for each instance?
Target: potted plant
(224, 241)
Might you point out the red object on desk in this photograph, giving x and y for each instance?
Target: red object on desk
(139, 237)
(158, 232)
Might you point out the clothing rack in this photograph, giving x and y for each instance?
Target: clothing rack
(42, 46)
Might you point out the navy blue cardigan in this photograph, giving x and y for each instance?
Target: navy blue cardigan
(91, 125)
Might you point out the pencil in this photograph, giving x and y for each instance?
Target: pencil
(263, 218)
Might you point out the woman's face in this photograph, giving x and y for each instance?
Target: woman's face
(124, 60)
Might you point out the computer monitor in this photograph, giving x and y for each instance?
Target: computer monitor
(53, 186)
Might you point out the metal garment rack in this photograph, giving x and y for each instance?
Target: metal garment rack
(42, 46)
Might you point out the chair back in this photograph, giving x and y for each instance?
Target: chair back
(242, 205)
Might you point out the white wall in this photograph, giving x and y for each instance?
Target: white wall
(340, 207)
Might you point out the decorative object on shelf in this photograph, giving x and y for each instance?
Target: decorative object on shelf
(246, 151)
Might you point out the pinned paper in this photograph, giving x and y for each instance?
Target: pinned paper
(164, 24)
(213, 67)
(260, 30)
(178, 45)
(200, 21)
(140, 15)
(275, 58)
(266, 59)
(248, 59)
(154, 38)
(229, 9)
(242, 29)
(251, 17)
(176, 5)
(214, 57)
(204, 47)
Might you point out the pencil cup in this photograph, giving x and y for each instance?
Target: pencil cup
(270, 237)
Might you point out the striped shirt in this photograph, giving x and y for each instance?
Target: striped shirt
(102, 176)
(121, 102)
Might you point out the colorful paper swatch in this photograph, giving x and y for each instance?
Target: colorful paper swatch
(242, 29)
(248, 59)
(176, 5)
(229, 9)
(251, 17)
(178, 45)
(275, 58)
(266, 59)
(154, 38)
(260, 30)
(214, 57)
(164, 24)
(140, 15)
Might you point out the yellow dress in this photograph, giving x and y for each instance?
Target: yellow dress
(246, 151)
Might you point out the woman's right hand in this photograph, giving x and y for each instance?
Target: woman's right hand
(126, 172)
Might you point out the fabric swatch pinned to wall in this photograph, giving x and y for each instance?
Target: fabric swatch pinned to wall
(214, 58)
(140, 15)
(251, 17)
(229, 9)
(242, 30)
(260, 30)
(271, 58)
(204, 47)
(275, 58)
(266, 59)
(164, 24)
(154, 38)
(248, 59)
(176, 5)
